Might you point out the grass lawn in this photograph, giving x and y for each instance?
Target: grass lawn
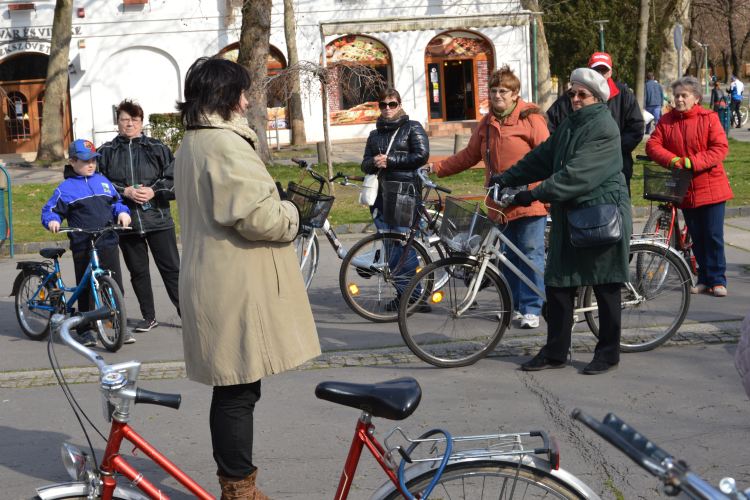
(28, 199)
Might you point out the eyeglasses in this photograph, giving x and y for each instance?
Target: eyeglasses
(134, 121)
(581, 95)
(392, 105)
(499, 91)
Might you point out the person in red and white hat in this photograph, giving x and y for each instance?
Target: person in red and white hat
(622, 105)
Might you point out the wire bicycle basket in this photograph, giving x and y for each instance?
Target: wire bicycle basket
(464, 226)
(670, 184)
(399, 203)
(313, 206)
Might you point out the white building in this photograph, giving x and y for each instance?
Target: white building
(437, 53)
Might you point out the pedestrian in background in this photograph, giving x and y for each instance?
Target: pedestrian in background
(622, 105)
(582, 165)
(653, 95)
(736, 89)
(716, 96)
(502, 138)
(142, 168)
(691, 137)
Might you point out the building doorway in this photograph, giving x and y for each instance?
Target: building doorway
(459, 90)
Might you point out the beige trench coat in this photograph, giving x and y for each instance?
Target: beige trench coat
(245, 312)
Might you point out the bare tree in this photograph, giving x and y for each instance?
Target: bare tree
(675, 12)
(295, 100)
(640, 75)
(51, 140)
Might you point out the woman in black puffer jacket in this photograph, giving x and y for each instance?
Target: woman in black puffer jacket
(409, 150)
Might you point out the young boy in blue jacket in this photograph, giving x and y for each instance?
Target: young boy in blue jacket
(89, 201)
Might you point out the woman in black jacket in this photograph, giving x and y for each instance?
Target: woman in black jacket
(395, 150)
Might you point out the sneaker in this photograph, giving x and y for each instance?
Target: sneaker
(517, 315)
(539, 362)
(87, 339)
(530, 321)
(146, 326)
(700, 289)
(129, 339)
(720, 291)
(598, 366)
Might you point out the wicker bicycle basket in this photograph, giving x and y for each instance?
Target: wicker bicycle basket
(313, 206)
(399, 203)
(666, 184)
(465, 226)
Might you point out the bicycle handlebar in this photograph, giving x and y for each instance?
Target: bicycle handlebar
(100, 230)
(506, 200)
(422, 172)
(92, 316)
(142, 396)
(643, 158)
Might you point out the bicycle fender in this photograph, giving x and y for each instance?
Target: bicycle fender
(21, 276)
(664, 247)
(530, 461)
(68, 490)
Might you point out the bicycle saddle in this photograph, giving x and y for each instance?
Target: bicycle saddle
(394, 399)
(51, 253)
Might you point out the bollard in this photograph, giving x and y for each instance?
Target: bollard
(322, 152)
(6, 221)
(458, 143)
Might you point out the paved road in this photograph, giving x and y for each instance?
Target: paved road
(688, 400)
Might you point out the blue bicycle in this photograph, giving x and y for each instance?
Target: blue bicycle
(39, 289)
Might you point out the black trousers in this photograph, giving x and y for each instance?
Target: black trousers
(734, 107)
(163, 246)
(109, 259)
(231, 421)
(560, 306)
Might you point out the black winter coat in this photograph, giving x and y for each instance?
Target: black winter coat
(146, 161)
(624, 109)
(409, 151)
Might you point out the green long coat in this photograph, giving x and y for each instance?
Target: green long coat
(582, 165)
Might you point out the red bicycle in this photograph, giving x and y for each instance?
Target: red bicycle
(496, 466)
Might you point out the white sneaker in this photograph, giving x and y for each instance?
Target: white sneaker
(530, 321)
(517, 315)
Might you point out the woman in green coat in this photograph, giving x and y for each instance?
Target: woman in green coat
(581, 166)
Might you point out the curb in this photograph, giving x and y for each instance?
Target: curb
(700, 334)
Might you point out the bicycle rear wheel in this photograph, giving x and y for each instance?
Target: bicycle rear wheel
(34, 322)
(492, 480)
(367, 279)
(308, 250)
(112, 331)
(663, 284)
(445, 338)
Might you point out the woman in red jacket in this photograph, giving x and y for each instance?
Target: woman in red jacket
(692, 138)
(515, 127)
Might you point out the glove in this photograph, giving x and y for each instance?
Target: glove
(282, 193)
(681, 163)
(495, 181)
(524, 199)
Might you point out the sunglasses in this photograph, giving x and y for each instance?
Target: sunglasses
(581, 95)
(392, 105)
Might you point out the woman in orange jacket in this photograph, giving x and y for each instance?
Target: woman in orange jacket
(514, 128)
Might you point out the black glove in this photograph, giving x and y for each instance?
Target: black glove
(524, 199)
(282, 193)
(495, 180)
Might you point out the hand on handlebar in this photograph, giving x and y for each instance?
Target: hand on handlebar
(495, 181)
(54, 227)
(524, 199)
(282, 193)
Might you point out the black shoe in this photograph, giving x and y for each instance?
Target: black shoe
(87, 339)
(539, 362)
(598, 366)
(146, 325)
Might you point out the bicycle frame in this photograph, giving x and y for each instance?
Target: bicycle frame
(681, 234)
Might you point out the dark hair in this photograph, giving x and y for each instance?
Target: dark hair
(389, 93)
(650, 75)
(130, 107)
(212, 85)
(505, 77)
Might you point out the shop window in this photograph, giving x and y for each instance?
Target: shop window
(17, 126)
(351, 102)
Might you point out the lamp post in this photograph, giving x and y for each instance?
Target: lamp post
(705, 51)
(601, 33)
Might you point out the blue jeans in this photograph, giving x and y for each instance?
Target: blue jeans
(656, 111)
(395, 252)
(527, 234)
(706, 226)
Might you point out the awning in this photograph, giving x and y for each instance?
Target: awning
(424, 23)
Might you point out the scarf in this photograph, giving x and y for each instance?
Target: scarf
(505, 114)
(237, 124)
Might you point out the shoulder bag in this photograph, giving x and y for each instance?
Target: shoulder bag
(370, 185)
(598, 225)
(507, 190)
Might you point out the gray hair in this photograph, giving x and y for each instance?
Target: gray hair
(691, 83)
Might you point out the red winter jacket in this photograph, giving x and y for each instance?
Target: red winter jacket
(696, 134)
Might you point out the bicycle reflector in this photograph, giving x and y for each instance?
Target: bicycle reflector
(73, 461)
(437, 297)
(353, 289)
(419, 269)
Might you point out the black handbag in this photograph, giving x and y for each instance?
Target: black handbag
(598, 225)
(506, 190)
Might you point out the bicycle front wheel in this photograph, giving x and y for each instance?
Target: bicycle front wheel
(111, 331)
(655, 308)
(370, 279)
(460, 330)
(33, 321)
(492, 479)
(744, 113)
(308, 255)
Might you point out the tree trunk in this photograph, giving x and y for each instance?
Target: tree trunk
(51, 140)
(712, 67)
(734, 43)
(668, 67)
(326, 136)
(640, 75)
(727, 61)
(295, 101)
(544, 87)
(253, 54)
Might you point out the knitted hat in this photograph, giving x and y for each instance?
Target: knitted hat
(593, 81)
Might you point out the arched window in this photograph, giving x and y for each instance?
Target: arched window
(350, 101)
(17, 117)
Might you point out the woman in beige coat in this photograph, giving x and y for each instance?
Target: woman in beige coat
(245, 312)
